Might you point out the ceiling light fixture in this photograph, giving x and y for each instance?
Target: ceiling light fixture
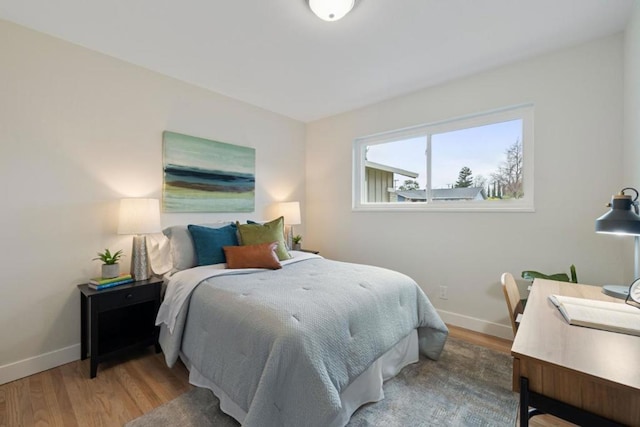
(331, 10)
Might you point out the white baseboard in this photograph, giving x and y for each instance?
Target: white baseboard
(477, 325)
(33, 365)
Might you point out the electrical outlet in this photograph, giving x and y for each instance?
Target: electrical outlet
(443, 292)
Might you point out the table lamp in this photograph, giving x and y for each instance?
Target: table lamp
(139, 217)
(622, 219)
(291, 213)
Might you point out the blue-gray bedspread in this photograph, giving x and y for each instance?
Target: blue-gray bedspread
(283, 344)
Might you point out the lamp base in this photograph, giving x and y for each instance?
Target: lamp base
(139, 258)
(616, 291)
(289, 236)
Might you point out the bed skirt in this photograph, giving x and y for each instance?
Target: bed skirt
(366, 388)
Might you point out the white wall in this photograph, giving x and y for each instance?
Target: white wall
(78, 131)
(632, 99)
(631, 146)
(578, 157)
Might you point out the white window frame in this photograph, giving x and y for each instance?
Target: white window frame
(525, 204)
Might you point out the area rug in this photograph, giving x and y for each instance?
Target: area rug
(469, 386)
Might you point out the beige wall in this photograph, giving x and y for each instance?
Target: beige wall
(78, 131)
(578, 96)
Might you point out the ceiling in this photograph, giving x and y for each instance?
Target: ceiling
(276, 54)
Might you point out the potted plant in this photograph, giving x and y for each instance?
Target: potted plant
(296, 242)
(110, 266)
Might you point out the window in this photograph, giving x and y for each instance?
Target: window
(482, 162)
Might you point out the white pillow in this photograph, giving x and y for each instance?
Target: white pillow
(183, 252)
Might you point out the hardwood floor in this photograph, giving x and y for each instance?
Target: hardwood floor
(127, 388)
(65, 396)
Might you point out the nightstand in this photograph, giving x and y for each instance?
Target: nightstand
(118, 319)
(311, 251)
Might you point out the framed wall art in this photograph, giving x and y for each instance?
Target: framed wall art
(201, 175)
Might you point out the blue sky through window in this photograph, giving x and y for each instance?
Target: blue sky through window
(481, 148)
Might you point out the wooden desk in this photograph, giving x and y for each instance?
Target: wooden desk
(586, 376)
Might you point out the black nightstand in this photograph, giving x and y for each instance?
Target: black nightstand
(117, 319)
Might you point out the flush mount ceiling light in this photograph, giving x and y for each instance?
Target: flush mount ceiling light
(331, 10)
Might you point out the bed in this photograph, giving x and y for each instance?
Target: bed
(305, 344)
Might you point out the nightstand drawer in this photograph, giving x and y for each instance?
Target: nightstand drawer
(126, 297)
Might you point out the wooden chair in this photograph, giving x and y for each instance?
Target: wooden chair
(514, 303)
(516, 307)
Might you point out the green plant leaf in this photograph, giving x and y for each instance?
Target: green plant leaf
(108, 258)
(574, 275)
(530, 275)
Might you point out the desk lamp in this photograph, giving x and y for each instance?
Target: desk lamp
(622, 220)
(139, 217)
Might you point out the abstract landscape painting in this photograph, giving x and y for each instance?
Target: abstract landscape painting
(201, 175)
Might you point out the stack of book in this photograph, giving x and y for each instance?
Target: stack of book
(100, 283)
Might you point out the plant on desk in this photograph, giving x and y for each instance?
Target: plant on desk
(110, 266)
(560, 277)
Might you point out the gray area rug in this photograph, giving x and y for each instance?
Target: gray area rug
(469, 386)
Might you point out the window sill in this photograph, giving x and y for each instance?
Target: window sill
(448, 207)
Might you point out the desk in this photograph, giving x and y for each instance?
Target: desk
(586, 376)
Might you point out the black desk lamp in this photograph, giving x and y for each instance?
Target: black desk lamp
(622, 220)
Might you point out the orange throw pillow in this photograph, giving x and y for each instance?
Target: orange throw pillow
(261, 255)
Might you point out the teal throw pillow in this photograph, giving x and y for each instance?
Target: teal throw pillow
(208, 242)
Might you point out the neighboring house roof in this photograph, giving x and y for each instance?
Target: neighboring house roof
(420, 195)
(468, 193)
(391, 169)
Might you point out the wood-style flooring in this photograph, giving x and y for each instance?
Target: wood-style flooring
(127, 388)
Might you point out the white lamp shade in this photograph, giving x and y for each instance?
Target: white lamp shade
(139, 216)
(331, 10)
(290, 211)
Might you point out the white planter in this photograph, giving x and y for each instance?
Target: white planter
(110, 271)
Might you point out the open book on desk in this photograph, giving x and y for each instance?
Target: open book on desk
(605, 315)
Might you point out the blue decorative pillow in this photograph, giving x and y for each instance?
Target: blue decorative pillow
(208, 242)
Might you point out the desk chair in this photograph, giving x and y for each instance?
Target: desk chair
(515, 304)
(516, 307)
